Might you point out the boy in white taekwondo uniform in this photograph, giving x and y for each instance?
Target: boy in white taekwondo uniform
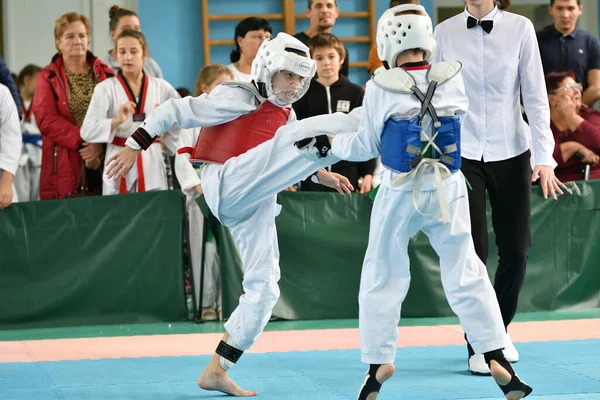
(27, 180)
(411, 117)
(10, 147)
(118, 107)
(238, 119)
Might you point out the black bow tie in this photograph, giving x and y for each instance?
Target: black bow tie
(485, 25)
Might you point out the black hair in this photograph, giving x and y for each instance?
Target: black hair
(245, 26)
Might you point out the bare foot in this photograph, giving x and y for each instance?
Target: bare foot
(502, 378)
(384, 373)
(215, 378)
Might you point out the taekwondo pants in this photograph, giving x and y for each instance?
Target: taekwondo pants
(385, 275)
(27, 182)
(242, 193)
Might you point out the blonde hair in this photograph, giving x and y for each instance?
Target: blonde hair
(60, 25)
(130, 33)
(208, 75)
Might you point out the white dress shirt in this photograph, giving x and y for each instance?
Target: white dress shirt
(495, 67)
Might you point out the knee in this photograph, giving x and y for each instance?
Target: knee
(268, 296)
(514, 258)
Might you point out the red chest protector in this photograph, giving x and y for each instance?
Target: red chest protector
(217, 144)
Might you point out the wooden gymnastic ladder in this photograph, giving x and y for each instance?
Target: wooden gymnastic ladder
(289, 17)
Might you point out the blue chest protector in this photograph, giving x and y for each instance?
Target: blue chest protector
(402, 148)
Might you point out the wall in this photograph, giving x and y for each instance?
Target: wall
(536, 10)
(174, 32)
(174, 29)
(29, 27)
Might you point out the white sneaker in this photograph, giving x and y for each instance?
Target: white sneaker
(477, 365)
(510, 352)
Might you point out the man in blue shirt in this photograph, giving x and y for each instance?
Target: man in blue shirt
(564, 47)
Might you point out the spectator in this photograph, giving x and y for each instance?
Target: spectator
(322, 15)
(209, 77)
(8, 80)
(70, 166)
(27, 179)
(250, 33)
(122, 19)
(374, 61)
(576, 128)
(564, 47)
(331, 92)
(119, 106)
(10, 147)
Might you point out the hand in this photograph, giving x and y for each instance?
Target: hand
(91, 151)
(367, 184)
(125, 111)
(588, 155)
(119, 164)
(94, 164)
(335, 181)
(293, 188)
(6, 191)
(550, 183)
(564, 106)
(198, 189)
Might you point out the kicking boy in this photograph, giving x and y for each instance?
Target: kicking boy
(246, 164)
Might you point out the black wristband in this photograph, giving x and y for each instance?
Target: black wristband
(143, 138)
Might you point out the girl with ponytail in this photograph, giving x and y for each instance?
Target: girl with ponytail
(121, 19)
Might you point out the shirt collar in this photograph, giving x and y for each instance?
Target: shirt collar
(491, 16)
(572, 35)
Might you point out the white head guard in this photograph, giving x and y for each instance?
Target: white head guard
(398, 33)
(274, 56)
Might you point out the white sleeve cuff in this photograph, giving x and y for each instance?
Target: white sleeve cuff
(131, 143)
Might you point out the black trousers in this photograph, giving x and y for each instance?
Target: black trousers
(508, 185)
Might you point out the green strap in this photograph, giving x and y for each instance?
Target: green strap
(373, 192)
(468, 184)
(209, 233)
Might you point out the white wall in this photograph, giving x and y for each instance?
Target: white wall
(29, 27)
(588, 21)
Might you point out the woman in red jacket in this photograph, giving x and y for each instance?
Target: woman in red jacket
(63, 92)
(576, 128)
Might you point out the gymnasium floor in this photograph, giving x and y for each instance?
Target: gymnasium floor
(318, 360)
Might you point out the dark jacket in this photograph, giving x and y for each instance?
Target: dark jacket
(342, 96)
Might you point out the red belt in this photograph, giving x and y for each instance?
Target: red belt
(119, 141)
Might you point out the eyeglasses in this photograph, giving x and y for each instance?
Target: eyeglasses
(572, 87)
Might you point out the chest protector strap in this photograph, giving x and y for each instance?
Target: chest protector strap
(402, 147)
